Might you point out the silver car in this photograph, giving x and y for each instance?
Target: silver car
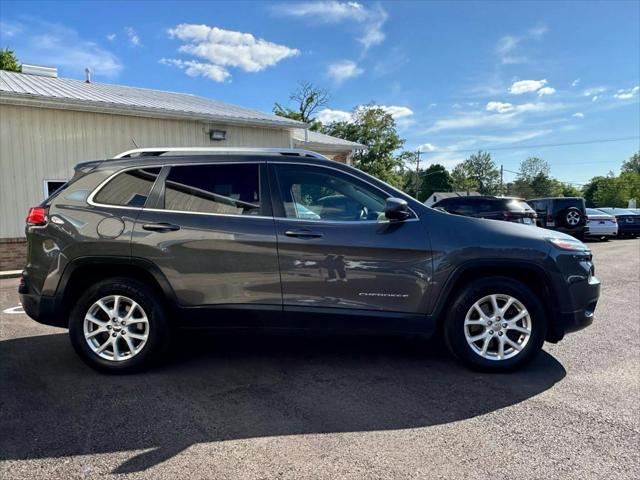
(600, 224)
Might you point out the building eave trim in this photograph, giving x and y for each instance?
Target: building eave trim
(146, 112)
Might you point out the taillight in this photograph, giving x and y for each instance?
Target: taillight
(37, 216)
(549, 217)
(614, 220)
(506, 215)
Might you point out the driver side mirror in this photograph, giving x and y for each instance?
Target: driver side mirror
(396, 209)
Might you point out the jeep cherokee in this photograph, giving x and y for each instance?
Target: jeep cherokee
(157, 239)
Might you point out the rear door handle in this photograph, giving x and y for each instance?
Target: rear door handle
(302, 234)
(160, 227)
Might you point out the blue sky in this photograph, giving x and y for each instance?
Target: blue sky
(457, 76)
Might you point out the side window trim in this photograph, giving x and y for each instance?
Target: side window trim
(278, 203)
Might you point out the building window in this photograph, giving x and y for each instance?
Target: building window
(52, 186)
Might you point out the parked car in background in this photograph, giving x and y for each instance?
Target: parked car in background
(563, 214)
(508, 209)
(601, 225)
(628, 221)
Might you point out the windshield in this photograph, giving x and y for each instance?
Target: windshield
(595, 211)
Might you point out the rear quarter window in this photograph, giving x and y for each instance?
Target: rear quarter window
(128, 189)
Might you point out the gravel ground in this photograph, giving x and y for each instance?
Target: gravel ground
(296, 407)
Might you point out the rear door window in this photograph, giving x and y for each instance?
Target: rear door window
(231, 189)
(129, 189)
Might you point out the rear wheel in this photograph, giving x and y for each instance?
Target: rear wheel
(496, 324)
(118, 325)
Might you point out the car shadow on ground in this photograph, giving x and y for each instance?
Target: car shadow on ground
(223, 388)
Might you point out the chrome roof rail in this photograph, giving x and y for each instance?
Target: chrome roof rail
(157, 151)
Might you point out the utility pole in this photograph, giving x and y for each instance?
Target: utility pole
(501, 173)
(417, 172)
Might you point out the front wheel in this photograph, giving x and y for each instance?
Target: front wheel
(496, 324)
(118, 326)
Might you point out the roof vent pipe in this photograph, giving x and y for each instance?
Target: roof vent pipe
(87, 75)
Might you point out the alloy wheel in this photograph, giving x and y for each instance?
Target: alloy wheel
(573, 218)
(116, 328)
(497, 327)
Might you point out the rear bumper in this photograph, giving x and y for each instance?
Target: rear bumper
(626, 229)
(41, 308)
(602, 231)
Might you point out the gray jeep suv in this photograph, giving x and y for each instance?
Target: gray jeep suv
(134, 247)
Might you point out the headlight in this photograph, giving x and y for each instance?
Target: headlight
(568, 244)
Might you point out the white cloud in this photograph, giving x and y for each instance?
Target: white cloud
(627, 94)
(501, 114)
(578, 115)
(526, 86)
(56, 45)
(538, 32)
(133, 36)
(471, 120)
(426, 147)
(575, 82)
(509, 47)
(594, 98)
(370, 19)
(499, 107)
(329, 116)
(546, 91)
(589, 92)
(227, 48)
(198, 69)
(398, 113)
(8, 30)
(111, 37)
(343, 70)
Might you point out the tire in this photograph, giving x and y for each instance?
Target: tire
(146, 326)
(571, 217)
(456, 331)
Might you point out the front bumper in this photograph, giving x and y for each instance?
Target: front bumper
(584, 298)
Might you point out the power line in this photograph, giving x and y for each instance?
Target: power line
(540, 145)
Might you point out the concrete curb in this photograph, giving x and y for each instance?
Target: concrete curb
(10, 274)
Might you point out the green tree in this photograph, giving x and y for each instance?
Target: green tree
(373, 127)
(611, 191)
(569, 190)
(308, 99)
(589, 191)
(478, 172)
(462, 180)
(533, 167)
(632, 165)
(408, 163)
(9, 61)
(435, 178)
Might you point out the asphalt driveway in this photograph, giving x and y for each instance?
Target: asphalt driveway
(345, 407)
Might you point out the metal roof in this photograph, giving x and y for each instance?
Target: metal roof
(19, 88)
(309, 138)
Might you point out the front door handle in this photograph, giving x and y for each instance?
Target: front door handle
(302, 234)
(160, 227)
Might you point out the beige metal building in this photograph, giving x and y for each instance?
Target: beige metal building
(48, 124)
